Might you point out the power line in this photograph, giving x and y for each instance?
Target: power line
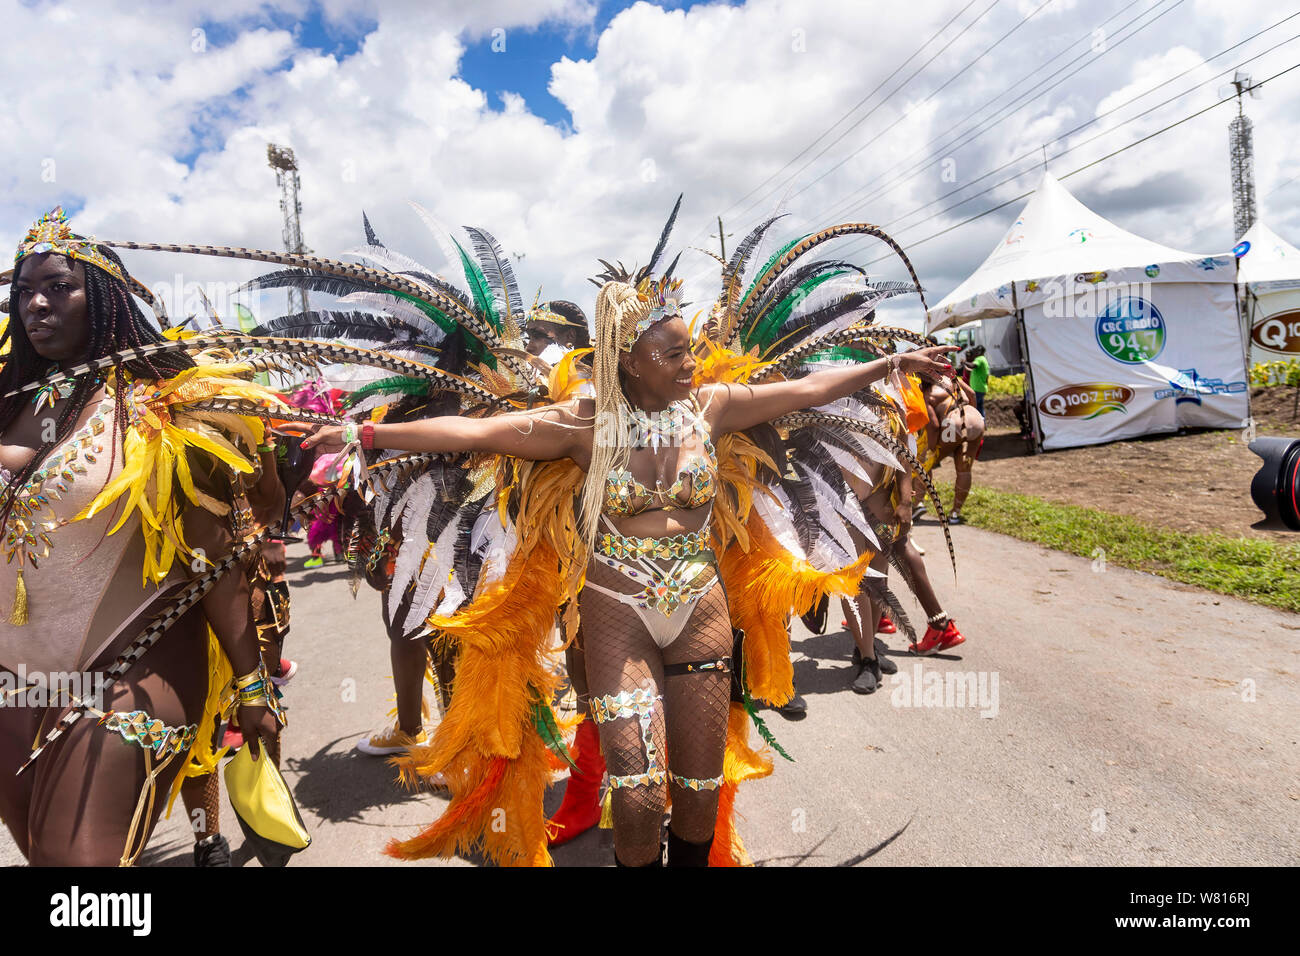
(1090, 139)
(1101, 159)
(860, 102)
(1081, 126)
(934, 93)
(980, 127)
(887, 97)
(1021, 100)
(863, 119)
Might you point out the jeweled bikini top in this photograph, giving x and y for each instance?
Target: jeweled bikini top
(679, 423)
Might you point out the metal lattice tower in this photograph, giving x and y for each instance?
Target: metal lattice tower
(1241, 158)
(281, 159)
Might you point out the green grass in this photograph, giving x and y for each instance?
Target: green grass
(1257, 570)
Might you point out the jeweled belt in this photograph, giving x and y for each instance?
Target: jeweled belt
(677, 546)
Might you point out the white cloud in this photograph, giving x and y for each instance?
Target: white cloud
(717, 101)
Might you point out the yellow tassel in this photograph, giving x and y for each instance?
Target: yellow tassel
(607, 810)
(18, 617)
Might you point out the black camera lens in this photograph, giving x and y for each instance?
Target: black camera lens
(1273, 488)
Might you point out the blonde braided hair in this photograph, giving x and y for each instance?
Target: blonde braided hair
(618, 309)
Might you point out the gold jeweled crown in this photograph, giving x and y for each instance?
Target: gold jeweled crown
(53, 233)
(665, 301)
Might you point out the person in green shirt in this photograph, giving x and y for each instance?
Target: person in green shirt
(979, 374)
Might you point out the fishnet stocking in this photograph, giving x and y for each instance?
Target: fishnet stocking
(688, 727)
(203, 793)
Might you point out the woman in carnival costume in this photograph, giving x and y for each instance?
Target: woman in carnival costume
(502, 517)
(122, 462)
(675, 527)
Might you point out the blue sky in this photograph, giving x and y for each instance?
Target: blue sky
(527, 69)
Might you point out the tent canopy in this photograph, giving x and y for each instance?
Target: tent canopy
(1057, 239)
(1270, 258)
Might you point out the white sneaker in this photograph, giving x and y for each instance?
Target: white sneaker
(391, 741)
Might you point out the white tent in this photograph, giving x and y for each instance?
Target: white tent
(1270, 274)
(1120, 336)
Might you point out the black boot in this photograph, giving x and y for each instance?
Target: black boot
(212, 851)
(887, 666)
(868, 678)
(796, 708)
(682, 853)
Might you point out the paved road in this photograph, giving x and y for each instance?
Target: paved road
(1131, 720)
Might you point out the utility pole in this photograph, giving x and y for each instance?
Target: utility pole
(1241, 158)
(722, 239)
(281, 159)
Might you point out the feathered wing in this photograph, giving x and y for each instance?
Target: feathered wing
(168, 423)
(490, 747)
(791, 539)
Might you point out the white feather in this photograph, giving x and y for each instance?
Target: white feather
(848, 463)
(443, 236)
(776, 515)
(397, 308)
(858, 519)
(453, 594)
(410, 519)
(388, 259)
(496, 548)
(830, 510)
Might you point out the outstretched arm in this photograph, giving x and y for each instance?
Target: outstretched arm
(737, 407)
(542, 434)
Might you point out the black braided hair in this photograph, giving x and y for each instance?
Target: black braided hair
(116, 322)
(577, 321)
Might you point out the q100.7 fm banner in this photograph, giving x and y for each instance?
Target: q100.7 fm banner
(1136, 360)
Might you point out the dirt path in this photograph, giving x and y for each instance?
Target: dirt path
(1194, 482)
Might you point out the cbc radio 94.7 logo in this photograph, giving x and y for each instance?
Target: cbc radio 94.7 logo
(1086, 400)
(1131, 330)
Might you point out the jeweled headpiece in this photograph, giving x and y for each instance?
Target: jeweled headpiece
(664, 298)
(53, 233)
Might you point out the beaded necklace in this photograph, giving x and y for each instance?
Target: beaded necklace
(664, 429)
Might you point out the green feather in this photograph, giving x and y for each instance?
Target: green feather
(547, 728)
(764, 330)
(750, 709)
(842, 352)
(396, 383)
(761, 727)
(452, 327)
(440, 318)
(776, 256)
(479, 288)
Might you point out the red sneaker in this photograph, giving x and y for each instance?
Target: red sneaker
(951, 636)
(886, 626)
(288, 670)
(938, 640)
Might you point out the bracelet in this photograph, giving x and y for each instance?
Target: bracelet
(255, 689)
(252, 677)
(368, 436)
